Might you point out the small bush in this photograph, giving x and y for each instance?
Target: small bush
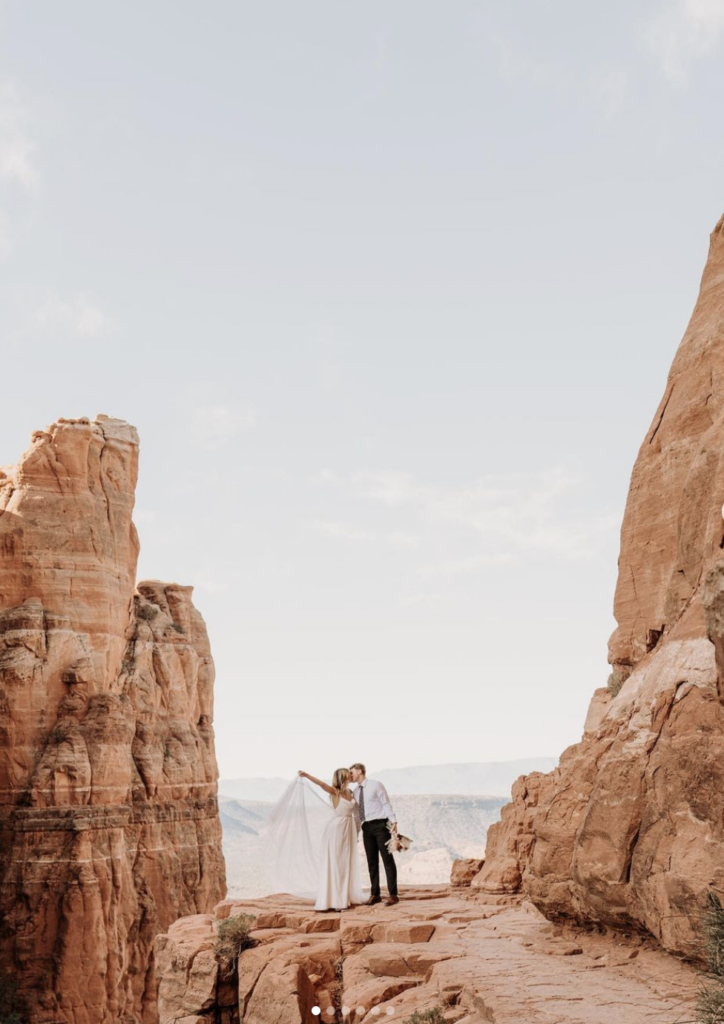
(710, 1005)
(433, 1016)
(147, 611)
(616, 680)
(710, 1001)
(233, 938)
(714, 935)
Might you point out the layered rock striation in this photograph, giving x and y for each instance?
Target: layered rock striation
(628, 831)
(109, 824)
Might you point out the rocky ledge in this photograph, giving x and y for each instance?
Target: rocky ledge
(479, 958)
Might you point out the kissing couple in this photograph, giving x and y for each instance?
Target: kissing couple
(311, 842)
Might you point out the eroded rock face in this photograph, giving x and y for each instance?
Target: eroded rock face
(464, 871)
(672, 527)
(629, 829)
(108, 815)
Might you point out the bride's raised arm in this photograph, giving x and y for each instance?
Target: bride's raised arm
(318, 782)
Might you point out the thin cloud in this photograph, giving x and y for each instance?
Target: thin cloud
(489, 521)
(604, 86)
(5, 245)
(214, 426)
(458, 566)
(210, 586)
(78, 316)
(17, 149)
(514, 65)
(324, 476)
(610, 89)
(342, 530)
(682, 33)
(414, 600)
(399, 539)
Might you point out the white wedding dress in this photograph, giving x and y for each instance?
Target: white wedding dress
(311, 847)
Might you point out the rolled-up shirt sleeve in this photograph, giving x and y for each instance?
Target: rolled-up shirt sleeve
(386, 805)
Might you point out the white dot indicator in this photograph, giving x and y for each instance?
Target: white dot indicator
(375, 1010)
(360, 1010)
(345, 1010)
(390, 1010)
(330, 1011)
(316, 1010)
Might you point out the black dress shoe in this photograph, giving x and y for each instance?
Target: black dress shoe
(373, 899)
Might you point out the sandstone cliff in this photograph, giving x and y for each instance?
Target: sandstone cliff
(109, 826)
(629, 829)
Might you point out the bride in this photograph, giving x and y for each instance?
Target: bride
(312, 842)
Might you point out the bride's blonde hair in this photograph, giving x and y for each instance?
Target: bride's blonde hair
(340, 778)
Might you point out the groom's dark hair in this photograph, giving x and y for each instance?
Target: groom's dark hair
(361, 767)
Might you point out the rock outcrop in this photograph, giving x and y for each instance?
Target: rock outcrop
(109, 824)
(477, 958)
(628, 831)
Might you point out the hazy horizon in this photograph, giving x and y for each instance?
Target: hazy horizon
(391, 293)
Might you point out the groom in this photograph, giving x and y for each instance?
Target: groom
(373, 810)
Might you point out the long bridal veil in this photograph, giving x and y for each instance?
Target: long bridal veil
(293, 839)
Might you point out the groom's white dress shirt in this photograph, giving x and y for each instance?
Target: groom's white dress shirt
(377, 802)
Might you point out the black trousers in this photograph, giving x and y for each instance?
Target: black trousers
(374, 835)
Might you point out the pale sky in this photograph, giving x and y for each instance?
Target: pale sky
(390, 291)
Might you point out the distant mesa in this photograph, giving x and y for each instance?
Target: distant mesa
(493, 778)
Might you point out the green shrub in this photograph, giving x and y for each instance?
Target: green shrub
(710, 1001)
(710, 1005)
(339, 968)
(233, 938)
(147, 611)
(433, 1016)
(714, 935)
(616, 680)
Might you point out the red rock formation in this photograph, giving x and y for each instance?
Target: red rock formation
(672, 527)
(629, 829)
(108, 817)
(464, 871)
(477, 958)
